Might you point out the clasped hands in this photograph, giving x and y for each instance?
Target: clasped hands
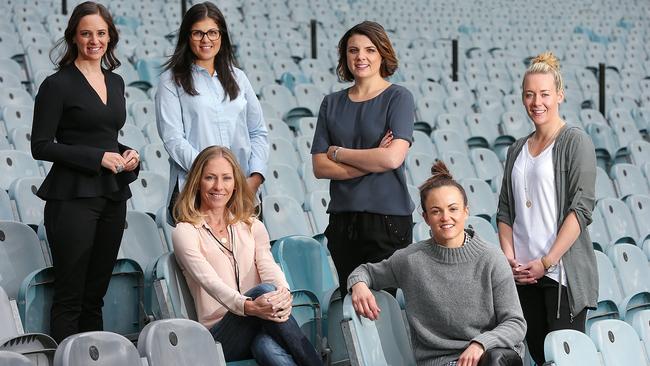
(527, 273)
(274, 306)
(117, 163)
(384, 143)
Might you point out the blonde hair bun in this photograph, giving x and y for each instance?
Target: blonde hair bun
(547, 58)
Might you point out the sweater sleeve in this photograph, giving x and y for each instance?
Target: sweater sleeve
(48, 111)
(376, 275)
(582, 179)
(187, 241)
(511, 326)
(267, 268)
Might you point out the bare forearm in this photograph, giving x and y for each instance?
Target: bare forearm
(327, 169)
(566, 236)
(375, 160)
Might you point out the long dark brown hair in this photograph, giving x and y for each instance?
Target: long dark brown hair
(180, 63)
(70, 50)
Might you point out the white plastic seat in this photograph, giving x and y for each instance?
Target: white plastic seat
(569, 347)
(172, 342)
(628, 180)
(449, 141)
(156, 159)
(20, 255)
(98, 349)
(21, 137)
(480, 199)
(618, 220)
(618, 343)
(604, 185)
(16, 164)
(422, 144)
(283, 216)
(483, 228)
(282, 152)
(141, 241)
(132, 137)
(30, 207)
(316, 204)
(149, 191)
(486, 163)
(419, 167)
(283, 179)
(459, 165)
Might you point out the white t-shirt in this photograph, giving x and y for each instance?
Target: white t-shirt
(535, 227)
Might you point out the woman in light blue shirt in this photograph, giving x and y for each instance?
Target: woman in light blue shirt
(203, 99)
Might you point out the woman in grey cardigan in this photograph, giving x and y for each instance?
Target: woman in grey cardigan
(545, 206)
(461, 301)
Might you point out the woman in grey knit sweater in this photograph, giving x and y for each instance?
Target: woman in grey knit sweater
(461, 301)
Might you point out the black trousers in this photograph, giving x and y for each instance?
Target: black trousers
(500, 357)
(539, 304)
(84, 236)
(355, 238)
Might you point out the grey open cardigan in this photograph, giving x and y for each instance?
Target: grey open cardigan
(574, 162)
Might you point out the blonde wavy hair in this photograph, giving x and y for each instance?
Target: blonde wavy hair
(546, 63)
(240, 207)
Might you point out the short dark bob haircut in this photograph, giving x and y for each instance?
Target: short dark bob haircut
(377, 35)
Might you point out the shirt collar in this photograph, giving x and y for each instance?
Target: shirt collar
(199, 69)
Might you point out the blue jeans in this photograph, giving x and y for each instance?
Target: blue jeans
(270, 343)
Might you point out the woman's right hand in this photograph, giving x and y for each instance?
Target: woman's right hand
(274, 306)
(387, 139)
(112, 160)
(364, 302)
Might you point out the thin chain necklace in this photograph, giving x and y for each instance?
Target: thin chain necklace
(529, 203)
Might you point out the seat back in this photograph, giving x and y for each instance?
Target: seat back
(618, 219)
(568, 347)
(16, 164)
(20, 255)
(641, 324)
(283, 216)
(480, 199)
(484, 229)
(486, 163)
(174, 299)
(317, 203)
(380, 342)
(449, 140)
(632, 267)
(172, 342)
(6, 212)
(419, 167)
(604, 185)
(97, 349)
(141, 241)
(617, 342)
(283, 179)
(459, 165)
(149, 191)
(628, 180)
(30, 206)
(10, 327)
(640, 208)
(9, 358)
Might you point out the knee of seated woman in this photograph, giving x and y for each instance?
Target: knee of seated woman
(261, 289)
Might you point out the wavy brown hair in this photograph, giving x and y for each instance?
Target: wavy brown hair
(180, 63)
(240, 207)
(377, 35)
(70, 51)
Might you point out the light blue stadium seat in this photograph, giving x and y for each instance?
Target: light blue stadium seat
(303, 146)
(283, 179)
(149, 191)
(141, 241)
(285, 102)
(309, 96)
(10, 45)
(18, 116)
(173, 297)
(483, 131)
(628, 180)
(480, 199)
(618, 343)
(172, 342)
(515, 125)
(156, 159)
(9, 80)
(486, 163)
(459, 165)
(6, 211)
(421, 231)
(639, 152)
(592, 116)
(618, 220)
(98, 349)
(380, 342)
(484, 229)
(316, 204)
(15, 96)
(306, 172)
(610, 294)
(284, 65)
(131, 136)
(569, 347)
(16, 164)
(422, 144)
(419, 167)
(21, 137)
(427, 109)
(30, 207)
(457, 104)
(307, 126)
(632, 267)
(283, 216)
(640, 208)
(12, 67)
(21, 254)
(14, 359)
(598, 232)
(452, 122)
(604, 142)
(641, 324)
(142, 111)
(149, 69)
(277, 128)
(431, 89)
(414, 193)
(282, 151)
(604, 185)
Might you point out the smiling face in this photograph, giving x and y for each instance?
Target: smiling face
(91, 38)
(363, 58)
(541, 98)
(205, 49)
(445, 213)
(217, 184)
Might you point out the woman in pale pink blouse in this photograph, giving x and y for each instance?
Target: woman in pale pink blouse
(240, 293)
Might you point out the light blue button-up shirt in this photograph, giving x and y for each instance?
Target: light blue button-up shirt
(188, 124)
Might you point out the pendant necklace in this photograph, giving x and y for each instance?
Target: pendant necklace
(529, 203)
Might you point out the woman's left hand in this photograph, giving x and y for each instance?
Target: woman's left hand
(530, 272)
(281, 300)
(330, 152)
(132, 159)
(472, 355)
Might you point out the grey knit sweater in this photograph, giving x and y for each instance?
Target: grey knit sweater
(453, 296)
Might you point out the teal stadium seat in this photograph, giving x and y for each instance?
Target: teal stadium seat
(568, 347)
(381, 342)
(173, 342)
(98, 349)
(618, 343)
